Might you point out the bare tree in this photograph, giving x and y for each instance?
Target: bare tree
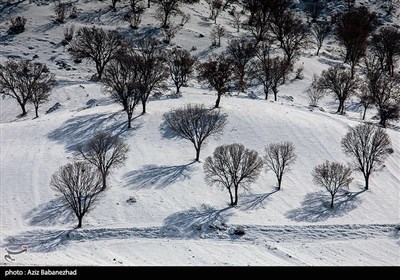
(26, 81)
(381, 89)
(240, 52)
(333, 176)
(122, 81)
(97, 45)
(339, 82)
(314, 93)
(168, 8)
(181, 65)
(80, 186)
(135, 5)
(216, 33)
(385, 44)
(320, 31)
(278, 158)
(237, 20)
(152, 68)
(61, 9)
(195, 123)
(368, 145)
(292, 35)
(40, 82)
(217, 74)
(269, 71)
(314, 9)
(233, 166)
(134, 19)
(215, 8)
(69, 31)
(104, 151)
(17, 25)
(353, 29)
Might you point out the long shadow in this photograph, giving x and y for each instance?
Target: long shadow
(51, 213)
(154, 176)
(39, 240)
(78, 130)
(255, 201)
(193, 222)
(316, 206)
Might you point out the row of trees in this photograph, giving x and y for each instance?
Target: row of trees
(233, 166)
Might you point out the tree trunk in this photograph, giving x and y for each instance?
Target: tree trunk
(279, 182)
(143, 106)
(365, 111)
(319, 47)
(276, 95)
(332, 196)
(129, 120)
(266, 94)
(231, 197)
(23, 109)
(218, 100)
(80, 221)
(148, 3)
(197, 154)
(99, 69)
(366, 177)
(37, 111)
(104, 178)
(236, 195)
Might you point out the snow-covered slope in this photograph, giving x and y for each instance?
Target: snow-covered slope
(177, 219)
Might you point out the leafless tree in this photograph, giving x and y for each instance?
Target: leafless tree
(61, 9)
(97, 45)
(80, 186)
(17, 25)
(314, 93)
(170, 32)
(195, 123)
(279, 157)
(353, 28)
(168, 8)
(240, 51)
(105, 152)
(237, 20)
(314, 9)
(134, 19)
(333, 176)
(368, 145)
(233, 166)
(135, 5)
(122, 81)
(381, 89)
(216, 33)
(181, 65)
(269, 71)
(320, 31)
(292, 35)
(215, 8)
(217, 74)
(153, 70)
(69, 31)
(26, 81)
(385, 44)
(338, 81)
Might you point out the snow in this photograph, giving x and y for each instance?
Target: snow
(177, 219)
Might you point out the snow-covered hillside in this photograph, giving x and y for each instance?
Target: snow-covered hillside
(177, 218)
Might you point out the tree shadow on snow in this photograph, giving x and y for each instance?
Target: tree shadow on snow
(157, 176)
(51, 213)
(78, 130)
(255, 201)
(39, 240)
(316, 206)
(191, 223)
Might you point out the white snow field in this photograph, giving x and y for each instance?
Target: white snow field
(177, 218)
